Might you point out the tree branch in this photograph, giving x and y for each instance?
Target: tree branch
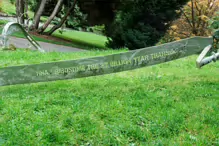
(193, 19)
(54, 28)
(189, 22)
(54, 13)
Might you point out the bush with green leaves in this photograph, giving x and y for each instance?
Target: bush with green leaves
(33, 4)
(12, 1)
(214, 22)
(141, 23)
(98, 29)
(78, 20)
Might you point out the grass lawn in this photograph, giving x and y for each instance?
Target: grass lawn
(20, 35)
(77, 39)
(168, 104)
(9, 8)
(83, 38)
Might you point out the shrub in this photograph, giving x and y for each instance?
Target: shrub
(77, 20)
(141, 23)
(98, 29)
(12, 1)
(214, 22)
(201, 22)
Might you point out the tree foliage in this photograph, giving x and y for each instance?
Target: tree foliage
(141, 23)
(78, 20)
(199, 18)
(214, 22)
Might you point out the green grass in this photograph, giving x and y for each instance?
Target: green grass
(20, 35)
(167, 104)
(9, 8)
(2, 23)
(83, 38)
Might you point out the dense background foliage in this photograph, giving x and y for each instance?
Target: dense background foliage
(199, 18)
(142, 23)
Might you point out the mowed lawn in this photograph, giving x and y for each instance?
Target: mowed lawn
(7, 7)
(77, 39)
(83, 38)
(168, 104)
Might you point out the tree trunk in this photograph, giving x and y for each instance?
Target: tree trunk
(20, 11)
(38, 14)
(193, 19)
(54, 13)
(26, 9)
(17, 10)
(70, 11)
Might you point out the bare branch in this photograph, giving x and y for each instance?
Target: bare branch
(196, 6)
(187, 19)
(193, 18)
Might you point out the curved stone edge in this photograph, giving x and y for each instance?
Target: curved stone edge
(27, 35)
